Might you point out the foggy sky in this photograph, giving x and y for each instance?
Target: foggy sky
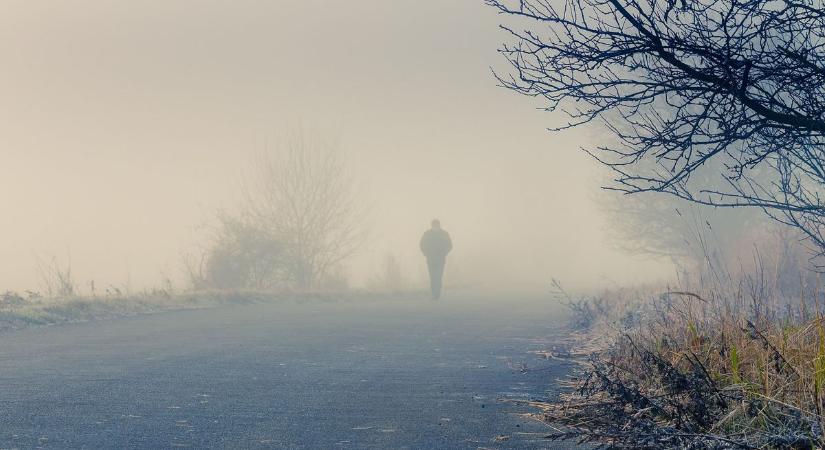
(124, 125)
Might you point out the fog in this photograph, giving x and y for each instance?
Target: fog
(124, 126)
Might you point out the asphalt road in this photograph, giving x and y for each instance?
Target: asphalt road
(348, 375)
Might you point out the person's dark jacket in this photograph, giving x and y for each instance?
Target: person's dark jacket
(436, 243)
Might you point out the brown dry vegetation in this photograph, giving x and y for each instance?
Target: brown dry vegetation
(709, 368)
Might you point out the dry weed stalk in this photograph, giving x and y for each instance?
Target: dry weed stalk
(704, 371)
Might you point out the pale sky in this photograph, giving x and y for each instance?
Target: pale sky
(124, 125)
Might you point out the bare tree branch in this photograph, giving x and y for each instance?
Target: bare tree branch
(739, 82)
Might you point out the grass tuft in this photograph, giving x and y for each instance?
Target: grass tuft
(712, 369)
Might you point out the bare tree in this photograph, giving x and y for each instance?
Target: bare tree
(682, 83)
(302, 195)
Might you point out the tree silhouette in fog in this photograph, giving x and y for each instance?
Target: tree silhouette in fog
(300, 220)
(681, 84)
(301, 193)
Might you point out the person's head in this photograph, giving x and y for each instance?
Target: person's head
(436, 224)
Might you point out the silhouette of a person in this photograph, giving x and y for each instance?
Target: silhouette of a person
(435, 244)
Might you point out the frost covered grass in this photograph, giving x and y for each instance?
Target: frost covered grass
(729, 364)
(17, 311)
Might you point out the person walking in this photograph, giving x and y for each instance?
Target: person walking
(435, 245)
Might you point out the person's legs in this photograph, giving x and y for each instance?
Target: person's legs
(436, 269)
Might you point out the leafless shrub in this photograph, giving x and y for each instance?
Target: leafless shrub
(243, 255)
(194, 269)
(302, 195)
(55, 278)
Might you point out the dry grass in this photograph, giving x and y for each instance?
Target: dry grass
(17, 311)
(706, 369)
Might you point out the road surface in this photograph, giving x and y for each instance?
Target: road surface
(387, 374)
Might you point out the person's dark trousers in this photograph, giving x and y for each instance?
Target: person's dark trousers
(436, 268)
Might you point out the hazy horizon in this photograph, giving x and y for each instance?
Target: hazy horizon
(126, 125)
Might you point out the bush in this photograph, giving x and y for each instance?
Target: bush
(244, 256)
